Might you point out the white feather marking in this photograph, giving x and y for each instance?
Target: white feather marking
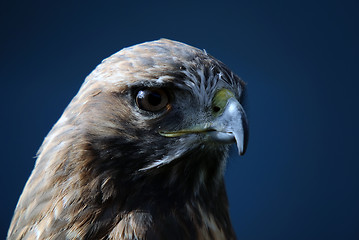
(184, 145)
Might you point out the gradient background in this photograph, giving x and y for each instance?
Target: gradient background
(300, 176)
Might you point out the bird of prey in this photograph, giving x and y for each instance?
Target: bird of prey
(140, 151)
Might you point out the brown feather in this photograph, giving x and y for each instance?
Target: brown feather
(87, 182)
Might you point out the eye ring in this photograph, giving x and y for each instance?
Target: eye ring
(152, 99)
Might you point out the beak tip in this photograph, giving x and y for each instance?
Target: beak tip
(241, 137)
(241, 149)
(241, 152)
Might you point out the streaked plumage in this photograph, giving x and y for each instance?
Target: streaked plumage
(140, 151)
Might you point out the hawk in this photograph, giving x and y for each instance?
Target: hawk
(140, 151)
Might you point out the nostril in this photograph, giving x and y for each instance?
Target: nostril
(216, 109)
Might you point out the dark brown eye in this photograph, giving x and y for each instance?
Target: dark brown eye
(152, 99)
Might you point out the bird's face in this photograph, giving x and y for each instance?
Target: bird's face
(141, 149)
(162, 101)
(183, 123)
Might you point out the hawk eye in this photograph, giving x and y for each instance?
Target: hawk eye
(152, 99)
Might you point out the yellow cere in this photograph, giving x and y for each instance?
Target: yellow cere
(220, 100)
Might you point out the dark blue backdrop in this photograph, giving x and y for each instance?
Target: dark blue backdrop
(300, 176)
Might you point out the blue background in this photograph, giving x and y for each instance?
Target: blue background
(300, 176)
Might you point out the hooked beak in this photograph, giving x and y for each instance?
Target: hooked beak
(229, 127)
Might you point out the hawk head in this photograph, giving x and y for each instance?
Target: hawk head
(140, 151)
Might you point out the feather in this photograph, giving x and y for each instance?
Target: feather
(105, 171)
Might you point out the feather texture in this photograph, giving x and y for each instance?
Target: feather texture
(105, 172)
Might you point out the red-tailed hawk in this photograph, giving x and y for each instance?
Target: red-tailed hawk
(140, 151)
